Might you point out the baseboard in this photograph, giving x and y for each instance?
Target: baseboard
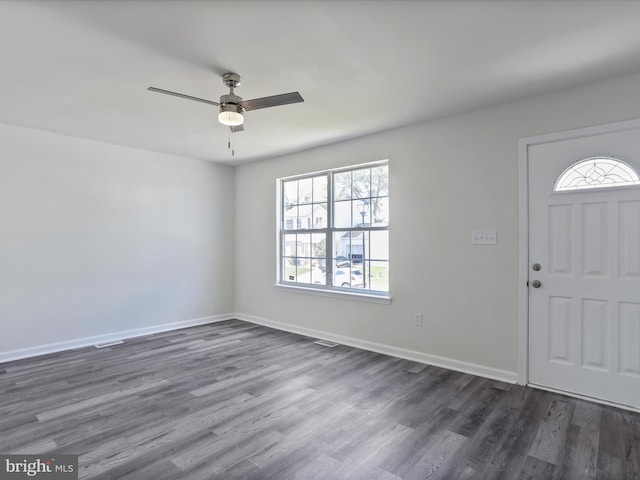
(109, 337)
(420, 357)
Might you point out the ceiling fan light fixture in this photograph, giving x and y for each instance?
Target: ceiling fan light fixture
(230, 115)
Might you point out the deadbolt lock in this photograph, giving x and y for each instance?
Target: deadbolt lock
(536, 267)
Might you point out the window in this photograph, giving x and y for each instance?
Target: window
(597, 172)
(341, 239)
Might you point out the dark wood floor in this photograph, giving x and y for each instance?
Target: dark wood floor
(234, 400)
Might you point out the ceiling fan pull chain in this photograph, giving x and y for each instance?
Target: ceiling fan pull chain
(233, 152)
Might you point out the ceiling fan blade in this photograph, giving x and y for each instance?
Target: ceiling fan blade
(182, 95)
(237, 128)
(272, 101)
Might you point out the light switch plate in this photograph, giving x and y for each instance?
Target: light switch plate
(484, 237)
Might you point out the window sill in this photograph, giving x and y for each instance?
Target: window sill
(357, 296)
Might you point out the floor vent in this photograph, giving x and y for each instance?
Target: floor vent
(109, 344)
(326, 343)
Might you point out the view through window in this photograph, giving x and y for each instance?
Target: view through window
(334, 229)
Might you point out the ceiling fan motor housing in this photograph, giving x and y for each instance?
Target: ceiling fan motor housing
(232, 101)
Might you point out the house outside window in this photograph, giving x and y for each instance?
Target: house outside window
(341, 237)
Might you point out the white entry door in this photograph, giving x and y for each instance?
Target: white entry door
(584, 267)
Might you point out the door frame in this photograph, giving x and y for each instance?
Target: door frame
(523, 229)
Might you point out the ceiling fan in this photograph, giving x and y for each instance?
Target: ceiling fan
(232, 107)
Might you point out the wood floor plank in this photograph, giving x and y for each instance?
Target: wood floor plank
(509, 459)
(552, 435)
(233, 400)
(424, 437)
(435, 463)
(536, 469)
(581, 452)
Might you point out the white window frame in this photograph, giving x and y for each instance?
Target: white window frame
(328, 289)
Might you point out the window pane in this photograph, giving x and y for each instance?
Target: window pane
(380, 211)
(342, 185)
(361, 185)
(348, 248)
(303, 271)
(290, 193)
(289, 246)
(319, 245)
(289, 269)
(320, 188)
(320, 215)
(342, 214)
(290, 217)
(358, 246)
(304, 245)
(361, 213)
(341, 249)
(380, 181)
(304, 190)
(318, 276)
(378, 276)
(379, 245)
(304, 217)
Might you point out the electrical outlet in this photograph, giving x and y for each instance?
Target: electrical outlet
(417, 319)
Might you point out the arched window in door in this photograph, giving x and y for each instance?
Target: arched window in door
(597, 172)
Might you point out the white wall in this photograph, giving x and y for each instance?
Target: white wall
(97, 239)
(447, 178)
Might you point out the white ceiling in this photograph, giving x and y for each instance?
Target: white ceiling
(83, 68)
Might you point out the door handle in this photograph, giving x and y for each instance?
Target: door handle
(536, 284)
